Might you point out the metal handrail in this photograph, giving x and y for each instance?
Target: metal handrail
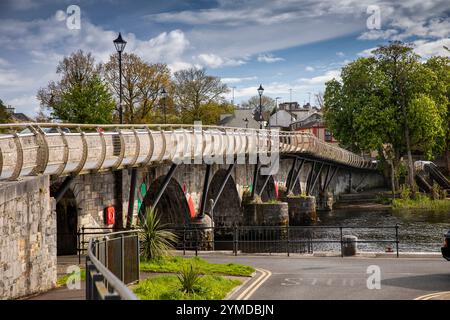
(81, 152)
(112, 284)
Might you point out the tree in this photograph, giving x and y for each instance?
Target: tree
(268, 105)
(5, 116)
(88, 103)
(141, 84)
(392, 103)
(319, 99)
(193, 90)
(441, 67)
(41, 117)
(79, 96)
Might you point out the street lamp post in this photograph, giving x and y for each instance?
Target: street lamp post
(120, 44)
(260, 92)
(276, 109)
(246, 123)
(164, 96)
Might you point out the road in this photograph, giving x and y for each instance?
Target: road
(345, 278)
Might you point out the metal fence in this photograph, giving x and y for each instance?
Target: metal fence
(285, 239)
(112, 262)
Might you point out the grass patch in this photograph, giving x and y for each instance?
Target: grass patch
(61, 281)
(422, 202)
(167, 287)
(176, 264)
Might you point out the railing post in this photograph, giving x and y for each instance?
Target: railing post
(184, 240)
(342, 252)
(138, 254)
(122, 257)
(196, 242)
(287, 239)
(396, 238)
(79, 245)
(235, 240)
(82, 237)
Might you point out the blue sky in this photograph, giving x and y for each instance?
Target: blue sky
(283, 44)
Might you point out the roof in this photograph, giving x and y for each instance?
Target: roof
(21, 117)
(311, 121)
(237, 119)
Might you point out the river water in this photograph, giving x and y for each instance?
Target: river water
(419, 231)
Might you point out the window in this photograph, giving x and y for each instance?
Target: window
(328, 136)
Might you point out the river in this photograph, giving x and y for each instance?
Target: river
(419, 230)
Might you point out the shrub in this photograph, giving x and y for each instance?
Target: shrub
(189, 278)
(155, 238)
(405, 192)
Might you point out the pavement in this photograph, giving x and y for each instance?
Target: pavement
(301, 277)
(329, 278)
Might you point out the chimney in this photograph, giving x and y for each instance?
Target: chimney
(10, 109)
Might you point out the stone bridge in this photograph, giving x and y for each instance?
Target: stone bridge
(56, 178)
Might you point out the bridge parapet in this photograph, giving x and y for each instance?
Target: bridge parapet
(63, 149)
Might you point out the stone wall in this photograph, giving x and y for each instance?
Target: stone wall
(27, 237)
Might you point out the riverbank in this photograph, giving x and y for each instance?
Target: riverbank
(421, 202)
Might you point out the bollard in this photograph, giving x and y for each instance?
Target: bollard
(349, 245)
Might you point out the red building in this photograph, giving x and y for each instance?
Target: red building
(314, 124)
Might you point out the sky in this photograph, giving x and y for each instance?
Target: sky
(291, 47)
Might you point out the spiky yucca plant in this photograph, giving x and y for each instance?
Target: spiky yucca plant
(155, 238)
(189, 278)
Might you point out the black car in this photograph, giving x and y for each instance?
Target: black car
(446, 247)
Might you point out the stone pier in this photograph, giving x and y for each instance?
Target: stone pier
(302, 209)
(27, 237)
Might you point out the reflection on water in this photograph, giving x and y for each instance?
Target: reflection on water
(418, 230)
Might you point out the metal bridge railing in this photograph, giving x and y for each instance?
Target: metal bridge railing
(62, 149)
(283, 239)
(112, 262)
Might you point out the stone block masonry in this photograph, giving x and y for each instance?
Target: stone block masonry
(27, 237)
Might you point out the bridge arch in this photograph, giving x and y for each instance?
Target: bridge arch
(66, 224)
(172, 207)
(269, 191)
(227, 210)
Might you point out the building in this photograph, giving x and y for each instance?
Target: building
(238, 119)
(314, 124)
(300, 112)
(282, 119)
(17, 116)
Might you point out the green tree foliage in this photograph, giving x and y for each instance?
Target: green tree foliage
(80, 96)
(441, 67)
(391, 102)
(5, 116)
(199, 96)
(88, 103)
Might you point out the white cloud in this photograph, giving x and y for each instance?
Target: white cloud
(405, 19)
(431, 48)
(309, 69)
(366, 52)
(340, 54)
(237, 80)
(320, 80)
(268, 58)
(214, 61)
(378, 34)
(42, 43)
